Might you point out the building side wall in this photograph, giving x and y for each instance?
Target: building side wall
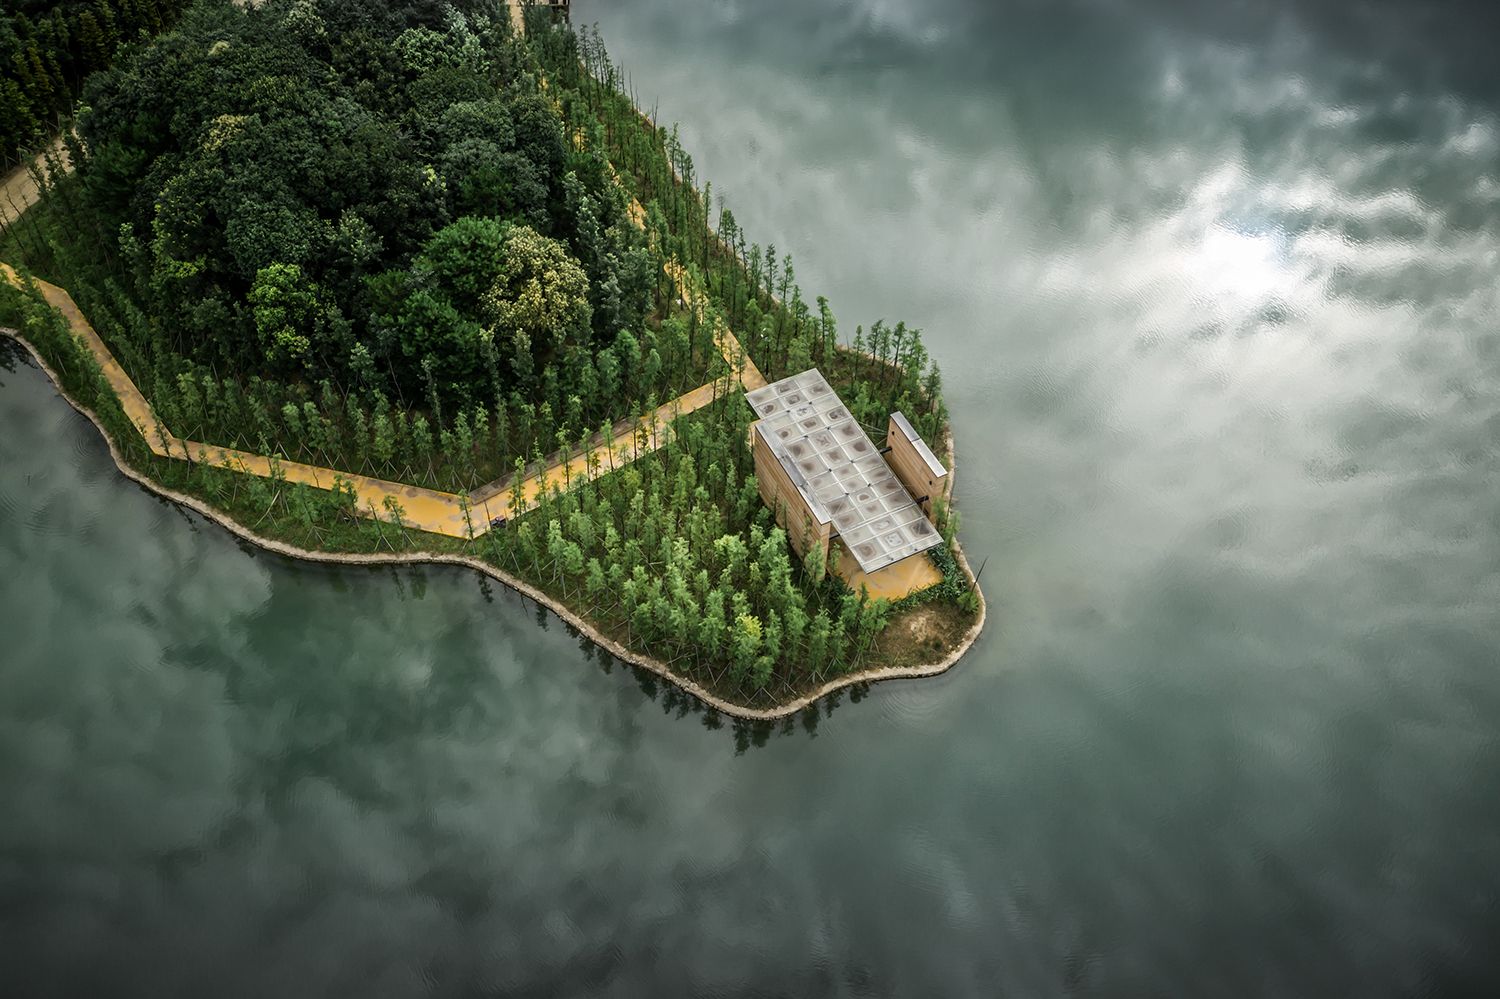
(912, 469)
(785, 500)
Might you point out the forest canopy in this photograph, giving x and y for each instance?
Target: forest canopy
(48, 48)
(380, 196)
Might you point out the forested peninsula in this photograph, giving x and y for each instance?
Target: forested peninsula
(433, 253)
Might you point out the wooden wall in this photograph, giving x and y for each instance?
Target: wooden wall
(779, 493)
(914, 463)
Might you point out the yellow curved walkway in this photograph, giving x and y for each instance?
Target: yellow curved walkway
(738, 359)
(426, 509)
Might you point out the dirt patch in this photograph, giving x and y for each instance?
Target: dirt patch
(922, 635)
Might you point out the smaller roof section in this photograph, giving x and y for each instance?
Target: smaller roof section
(923, 451)
(840, 473)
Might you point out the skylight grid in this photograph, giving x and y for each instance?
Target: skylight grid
(840, 473)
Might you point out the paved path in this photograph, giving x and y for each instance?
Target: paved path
(19, 191)
(738, 359)
(632, 439)
(426, 509)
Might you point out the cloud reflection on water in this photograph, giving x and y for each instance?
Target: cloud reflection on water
(1217, 317)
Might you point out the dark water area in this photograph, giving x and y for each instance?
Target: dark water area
(1214, 294)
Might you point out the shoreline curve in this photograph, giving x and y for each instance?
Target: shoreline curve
(609, 645)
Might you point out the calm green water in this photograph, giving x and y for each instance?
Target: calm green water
(1215, 296)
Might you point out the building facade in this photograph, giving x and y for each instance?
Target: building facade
(826, 481)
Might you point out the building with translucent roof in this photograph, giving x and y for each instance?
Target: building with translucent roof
(826, 480)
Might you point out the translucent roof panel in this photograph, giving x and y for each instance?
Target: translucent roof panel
(839, 471)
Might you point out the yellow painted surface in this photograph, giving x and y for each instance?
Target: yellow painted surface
(735, 356)
(738, 359)
(913, 573)
(643, 437)
(425, 509)
(130, 397)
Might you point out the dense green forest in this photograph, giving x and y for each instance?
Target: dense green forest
(48, 48)
(397, 239)
(303, 195)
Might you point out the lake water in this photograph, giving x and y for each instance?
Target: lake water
(1215, 300)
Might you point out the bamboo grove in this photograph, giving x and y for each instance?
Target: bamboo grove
(48, 48)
